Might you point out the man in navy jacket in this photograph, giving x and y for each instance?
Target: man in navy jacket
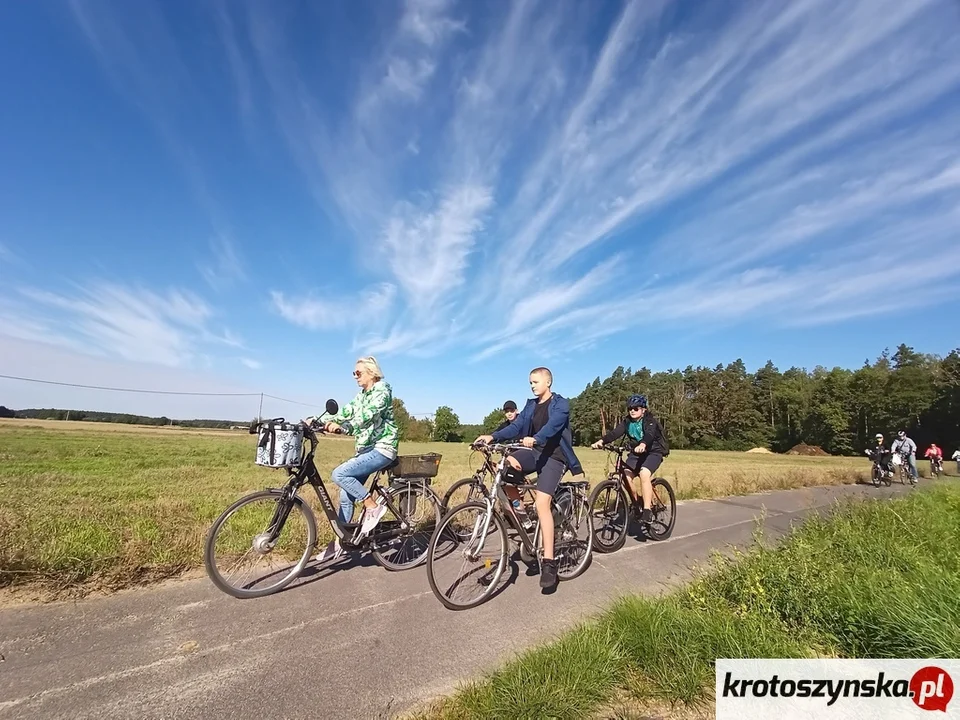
(544, 422)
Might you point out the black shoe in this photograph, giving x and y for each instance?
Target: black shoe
(548, 573)
(646, 516)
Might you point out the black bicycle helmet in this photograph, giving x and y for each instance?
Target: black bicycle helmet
(636, 401)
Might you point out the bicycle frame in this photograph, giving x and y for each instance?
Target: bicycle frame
(498, 497)
(307, 473)
(618, 473)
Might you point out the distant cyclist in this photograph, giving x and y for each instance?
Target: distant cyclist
(881, 455)
(649, 447)
(907, 449)
(956, 456)
(510, 412)
(935, 455)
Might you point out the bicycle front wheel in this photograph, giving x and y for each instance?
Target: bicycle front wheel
(463, 491)
(467, 556)
(573, 534)
(610, 513)
(419, 508)
(260, 544)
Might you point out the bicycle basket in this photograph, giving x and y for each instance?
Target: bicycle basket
(416, 466)
(279, 444)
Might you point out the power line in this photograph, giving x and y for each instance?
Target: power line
(171, 392)
(292, 402)
(132, 390)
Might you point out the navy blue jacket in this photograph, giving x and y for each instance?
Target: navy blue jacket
(558, 424)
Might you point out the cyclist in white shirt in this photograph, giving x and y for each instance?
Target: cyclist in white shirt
(908, 450)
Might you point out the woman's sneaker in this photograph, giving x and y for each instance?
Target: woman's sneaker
(333, 551)
(372, 517)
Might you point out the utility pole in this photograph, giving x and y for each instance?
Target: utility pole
(260, 411)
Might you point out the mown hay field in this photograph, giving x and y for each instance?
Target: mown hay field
(99, 505)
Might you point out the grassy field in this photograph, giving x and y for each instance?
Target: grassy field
(94, 505)
(876, 580)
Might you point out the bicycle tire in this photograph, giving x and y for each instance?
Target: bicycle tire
(397, 492)
(672, 499)
(501, 529)
(601, 544)
(209, 551)
(876, 476)
(563, 511)
(472, 481)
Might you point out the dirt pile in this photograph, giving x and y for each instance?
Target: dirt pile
(760, 450)
(803, 449)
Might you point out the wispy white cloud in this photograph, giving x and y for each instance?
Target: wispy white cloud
(174, 328)
(252, 364)
(428, 250)
(225, 266)
(235, 60)
(370, 308)
(310, 312)
(730, 151)
(410, 58)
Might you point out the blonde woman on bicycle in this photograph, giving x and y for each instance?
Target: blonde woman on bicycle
(369, 417)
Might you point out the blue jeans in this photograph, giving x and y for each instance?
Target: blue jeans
(912, 462)
(351, 476)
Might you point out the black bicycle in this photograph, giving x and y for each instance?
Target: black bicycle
(275, 530)
(472, 538)
(880, 473)
(936, 466)
(902, 461)
(475, 487)
(613, 506)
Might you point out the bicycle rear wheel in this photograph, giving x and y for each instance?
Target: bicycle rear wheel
(261, 532)
(664, 510)
(464, 563)
(610, 514)
(420, 509)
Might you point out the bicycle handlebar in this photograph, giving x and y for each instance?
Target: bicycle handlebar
(499, 447)
(613, 448)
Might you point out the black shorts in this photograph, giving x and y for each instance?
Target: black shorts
(650, 461)
(549, 470)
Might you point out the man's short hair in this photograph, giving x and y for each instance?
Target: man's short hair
(509, 405)
(544, 371)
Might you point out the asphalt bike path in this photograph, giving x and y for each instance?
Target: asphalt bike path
(348, 639)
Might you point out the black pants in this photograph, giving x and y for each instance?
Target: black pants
(549, 470)
(650, 461)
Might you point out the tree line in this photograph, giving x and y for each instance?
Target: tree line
(839, 410)
(125, 418)
(728, 408)
(720, 408)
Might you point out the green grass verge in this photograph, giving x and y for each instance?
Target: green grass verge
(88, 505)
(873, 579)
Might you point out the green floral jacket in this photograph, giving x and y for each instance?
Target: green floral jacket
(370, 416)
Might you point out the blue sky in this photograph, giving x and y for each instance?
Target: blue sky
(244, 197)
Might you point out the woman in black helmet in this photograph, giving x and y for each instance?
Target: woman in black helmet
(649, 443)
